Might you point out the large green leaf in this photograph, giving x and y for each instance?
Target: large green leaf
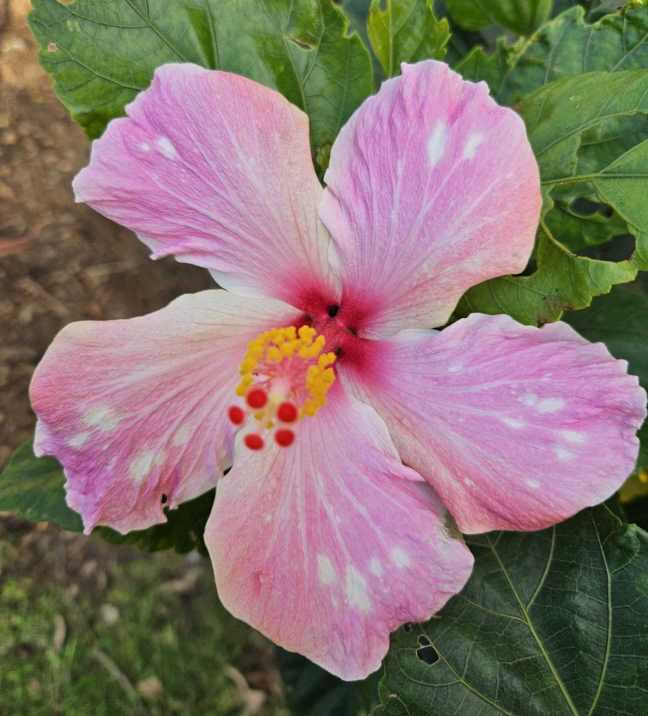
(552, 622)
(32, 488)
(564, 114)
(521, 16)
(561, 282)
(406, 31)
(102, 53)
(568, 46)
(558, 114)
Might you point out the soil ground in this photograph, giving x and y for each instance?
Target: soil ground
(86, 627)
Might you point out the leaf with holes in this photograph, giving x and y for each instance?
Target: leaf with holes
(552, 622)
(406, 31)
(521, 16)
(101, 54)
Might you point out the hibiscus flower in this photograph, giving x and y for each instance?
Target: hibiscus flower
(349, 424)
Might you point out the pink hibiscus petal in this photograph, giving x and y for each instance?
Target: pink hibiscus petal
(432, 188)
(215, 169)
(325, 548)
(515, 427)
(137, 409)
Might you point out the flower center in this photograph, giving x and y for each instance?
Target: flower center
(285, 376)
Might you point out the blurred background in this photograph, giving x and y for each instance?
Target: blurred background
(86, 627)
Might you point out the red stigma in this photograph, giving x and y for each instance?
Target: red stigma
(284, 437)
(254, 441)
(287, 412)
(236, 415)
(257, 398)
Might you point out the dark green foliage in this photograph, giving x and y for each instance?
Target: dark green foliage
(552, 622)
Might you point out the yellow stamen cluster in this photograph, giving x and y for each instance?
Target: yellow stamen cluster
(278, 344)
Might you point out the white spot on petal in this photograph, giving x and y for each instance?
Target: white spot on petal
(375, 567)
(325, 569)
(529, 399)
(513, 423)
(563, 454)
(572, 436)
(160, 458)
(182, 436)
(400, 557)
(533, 484)
(102, 417)
(356, 590)
(145, 146)
(436, 143)
(141, 465)
(550, 405)
(472, 144)
(165, 145)
(469, 482)
(79, 440)
(456, 368)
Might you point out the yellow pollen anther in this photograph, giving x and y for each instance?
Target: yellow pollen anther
(291, 354)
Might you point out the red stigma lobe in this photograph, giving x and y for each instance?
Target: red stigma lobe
(284, 437)
(257, 398)
(236, 415)
(287, 412)
(253, 441)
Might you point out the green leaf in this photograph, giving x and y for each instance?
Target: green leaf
(32, 488)
(490, 67)
(406, 31)
(520, 16)
(562, 281)
(568, 46)
(563, 114)
(101, 54)
(311, 691)
(552, 622)
(581, 220)
(622, 184)
(558, 114)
